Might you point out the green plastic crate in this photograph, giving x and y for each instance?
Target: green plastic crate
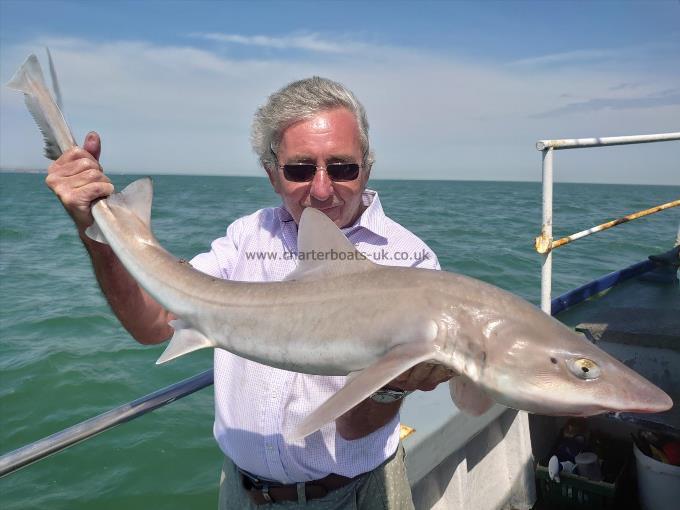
(574, 492)
(577, 492)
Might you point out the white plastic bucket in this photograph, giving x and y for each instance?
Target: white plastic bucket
(658, 483)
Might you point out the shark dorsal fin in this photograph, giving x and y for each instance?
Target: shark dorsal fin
(324, 251)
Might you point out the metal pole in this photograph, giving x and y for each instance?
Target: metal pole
(574, 143)
(610, 224)
(40, 449)
(543, 245)
(546, 231)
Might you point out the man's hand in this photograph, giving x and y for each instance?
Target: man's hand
(77, 179)
(369, 416)
(424, 377)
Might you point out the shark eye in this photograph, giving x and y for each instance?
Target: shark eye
(584, 368)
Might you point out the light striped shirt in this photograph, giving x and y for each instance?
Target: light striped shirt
(254, 403)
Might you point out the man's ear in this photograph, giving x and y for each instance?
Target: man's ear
(367, 171)
(273, 178)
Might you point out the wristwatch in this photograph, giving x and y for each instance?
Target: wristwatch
(387, 396)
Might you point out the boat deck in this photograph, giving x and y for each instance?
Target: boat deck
(638, 322)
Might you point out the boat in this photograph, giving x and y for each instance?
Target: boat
(494, 461)
(490, 462)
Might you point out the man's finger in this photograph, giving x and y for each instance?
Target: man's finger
(442, 373)
(413, 378)
(421, 372)
(95, 190)
(74, 167)
(93, 144)
(423, 376)
(71, 155)
(88, 177)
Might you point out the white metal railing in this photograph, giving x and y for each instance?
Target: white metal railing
(544, 243)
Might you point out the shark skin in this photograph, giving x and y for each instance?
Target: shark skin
(347, 314)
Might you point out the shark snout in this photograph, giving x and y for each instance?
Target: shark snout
(648, 398)
(633, 393)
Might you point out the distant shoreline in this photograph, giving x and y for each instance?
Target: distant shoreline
(23, 170)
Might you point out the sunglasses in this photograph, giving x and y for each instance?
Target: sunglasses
(304, 172)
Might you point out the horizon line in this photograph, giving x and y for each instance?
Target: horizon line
(538, 181)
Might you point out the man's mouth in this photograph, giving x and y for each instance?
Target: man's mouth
(328, 208)
(324, 207)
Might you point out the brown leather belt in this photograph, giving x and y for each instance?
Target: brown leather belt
(263, 491)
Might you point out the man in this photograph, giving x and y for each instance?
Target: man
(312, 139)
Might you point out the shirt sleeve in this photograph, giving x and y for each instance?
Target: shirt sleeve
(220, 260)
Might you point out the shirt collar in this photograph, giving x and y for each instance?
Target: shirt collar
(372, 219)
(283, 214)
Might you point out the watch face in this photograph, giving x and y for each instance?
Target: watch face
(385, 396)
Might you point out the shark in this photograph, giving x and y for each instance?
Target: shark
(342, 314)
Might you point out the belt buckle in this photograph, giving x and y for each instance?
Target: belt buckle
(265, 493)
(257, 485)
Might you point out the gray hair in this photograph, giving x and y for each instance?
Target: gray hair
(298, 101)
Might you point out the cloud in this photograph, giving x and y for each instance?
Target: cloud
(567, 57)
(185, 108)
(661, 99)
(624, 86)
(309, 42)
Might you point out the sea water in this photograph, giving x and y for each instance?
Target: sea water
(65, 358)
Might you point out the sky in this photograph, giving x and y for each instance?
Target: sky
(453, 90)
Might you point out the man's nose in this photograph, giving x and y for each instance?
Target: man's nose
(322, 186)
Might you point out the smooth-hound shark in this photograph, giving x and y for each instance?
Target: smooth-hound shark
(350, 315)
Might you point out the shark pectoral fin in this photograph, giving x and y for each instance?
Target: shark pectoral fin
(469, 397)
(186, 339)
(95, 233)
(364, 384)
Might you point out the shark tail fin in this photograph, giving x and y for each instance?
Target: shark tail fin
(364, 384)
(136, 198)
(55, 81)
(29, 79)
(185, 340)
